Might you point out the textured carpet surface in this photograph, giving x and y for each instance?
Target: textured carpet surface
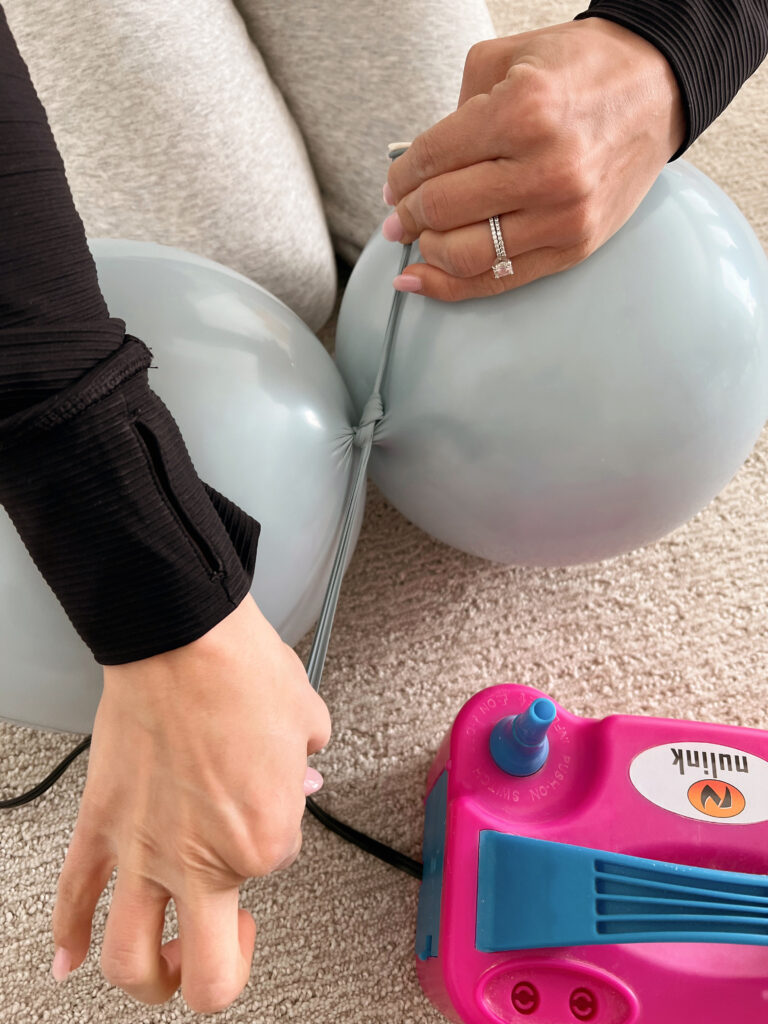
(677, 629)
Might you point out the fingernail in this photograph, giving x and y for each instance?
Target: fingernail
(62, 964)
(388, 195)
(396, 149)
(313, 781)
(392, 229)
(407, 283)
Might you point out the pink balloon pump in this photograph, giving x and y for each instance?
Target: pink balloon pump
(611, 871)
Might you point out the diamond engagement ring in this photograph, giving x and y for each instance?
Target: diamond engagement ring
(503, 265)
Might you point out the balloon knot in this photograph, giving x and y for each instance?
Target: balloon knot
(373, 413)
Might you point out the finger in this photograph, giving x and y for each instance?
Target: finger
(320, 727)
(313, 781)
(469, 251)
(131, 951)
(520, 118)
(436, 284)
(84, 875)
(465, 137)
(171, 953)
(217, 943)
(465, 196)
(488, 63)
(474, 194)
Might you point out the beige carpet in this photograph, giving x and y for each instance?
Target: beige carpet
(678, 629)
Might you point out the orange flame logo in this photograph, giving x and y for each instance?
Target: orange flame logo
(716, 798)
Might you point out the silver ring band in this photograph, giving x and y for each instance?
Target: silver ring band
(503, 265)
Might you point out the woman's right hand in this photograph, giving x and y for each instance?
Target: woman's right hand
(195, 783)
(560, 132)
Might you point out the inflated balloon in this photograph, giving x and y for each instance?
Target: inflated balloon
(587, 413)
(267, 421)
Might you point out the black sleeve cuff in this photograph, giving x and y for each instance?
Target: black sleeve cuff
(143, 556)
(713, 46)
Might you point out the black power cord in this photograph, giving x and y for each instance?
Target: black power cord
(352, 835)
(373, 846)
(48, 781)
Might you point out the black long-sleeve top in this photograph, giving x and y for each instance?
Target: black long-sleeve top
(94, 474)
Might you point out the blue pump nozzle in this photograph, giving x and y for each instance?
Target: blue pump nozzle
(519, 743)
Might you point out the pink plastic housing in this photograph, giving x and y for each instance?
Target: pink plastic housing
(583, 796)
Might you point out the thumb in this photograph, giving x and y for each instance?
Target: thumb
(246, 932)
(84, 875)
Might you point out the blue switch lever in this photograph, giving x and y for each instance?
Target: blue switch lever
(539, 894)
(519, 743)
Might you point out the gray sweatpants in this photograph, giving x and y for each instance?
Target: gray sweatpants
(253, 132)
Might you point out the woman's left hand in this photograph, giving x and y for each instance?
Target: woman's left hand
(560, 132)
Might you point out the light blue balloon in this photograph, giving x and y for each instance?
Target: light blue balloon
(586, 414)
(267, 421)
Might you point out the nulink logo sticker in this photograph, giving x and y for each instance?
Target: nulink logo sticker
(716, 799)
(707, 782)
